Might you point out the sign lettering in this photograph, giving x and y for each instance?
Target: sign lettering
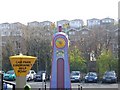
(22, 66)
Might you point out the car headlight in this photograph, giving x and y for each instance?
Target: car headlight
(113, 77)
(76, 77)
(10, 76)
(95, 77)
(86, 77)
(13, 75)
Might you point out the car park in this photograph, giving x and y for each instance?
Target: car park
(109, 77)
(30, 75)
(91, 77)
(9, 75)
(75, 76)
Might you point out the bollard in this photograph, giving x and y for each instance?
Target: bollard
(13, 87)
(27, 87)
(45, 85)
(78, 87)
(81, 88)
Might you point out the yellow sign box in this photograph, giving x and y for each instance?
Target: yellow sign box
(22, 64)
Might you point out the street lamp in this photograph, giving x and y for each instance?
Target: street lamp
(46, 69)
(37, 54)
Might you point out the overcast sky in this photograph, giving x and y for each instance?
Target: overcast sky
(24, 11)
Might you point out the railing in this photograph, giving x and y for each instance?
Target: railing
(6, 82)
(10, 83)
(1, 75)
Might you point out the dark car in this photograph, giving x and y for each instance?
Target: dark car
(109, 77)
(40, 76)
(91, 77)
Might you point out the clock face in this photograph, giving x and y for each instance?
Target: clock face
(60, 42)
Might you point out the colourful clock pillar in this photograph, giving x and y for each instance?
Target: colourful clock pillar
(60, 73)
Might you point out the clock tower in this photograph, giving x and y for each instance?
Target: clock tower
(60, 73)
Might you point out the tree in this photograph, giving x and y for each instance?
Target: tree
(106, 61)
(7, 51)
(42, 50)
(77, 62)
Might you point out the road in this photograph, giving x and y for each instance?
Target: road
(74, 86)
(85, 86)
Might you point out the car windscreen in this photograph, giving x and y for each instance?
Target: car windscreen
(40, 72)
(75, 74)
(110, 74)
(91, 74)
(10, 72)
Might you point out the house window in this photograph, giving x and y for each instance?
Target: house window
(72, 33)
(84, 32)
(103, 21)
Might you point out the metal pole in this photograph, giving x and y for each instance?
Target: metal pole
(46, 71)
(2, 81)
(42, 84)
(13, 87)
(81, 88)
(45, 84)
(20, 82)
(78, 87)
(1, 87)
(45, 74)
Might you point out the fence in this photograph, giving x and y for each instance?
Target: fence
(4, 83)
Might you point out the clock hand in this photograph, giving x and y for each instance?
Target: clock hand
(60, 42)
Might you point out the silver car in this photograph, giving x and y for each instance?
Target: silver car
(30, 75)
(75, 76)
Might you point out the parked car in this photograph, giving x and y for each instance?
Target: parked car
(41, 75)
(109, 77)
(91, 77)
(75, 76)
(10, 75)
(30, 75)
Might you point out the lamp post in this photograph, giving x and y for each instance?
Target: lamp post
(37, 53)
(1, 59)
(46, 69)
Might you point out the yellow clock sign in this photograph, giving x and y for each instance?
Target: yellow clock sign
(60, 42)
(22, 64)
